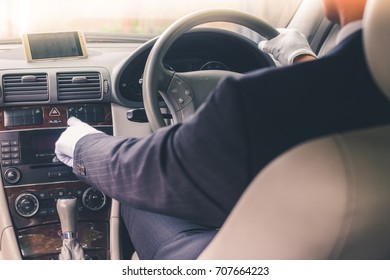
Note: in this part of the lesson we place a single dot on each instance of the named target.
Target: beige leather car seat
(325, 199)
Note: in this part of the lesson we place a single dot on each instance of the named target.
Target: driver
(178, 185)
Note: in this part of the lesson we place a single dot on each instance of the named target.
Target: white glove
(66, 144)
(287, 46)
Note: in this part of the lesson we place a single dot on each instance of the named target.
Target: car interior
(114, 88)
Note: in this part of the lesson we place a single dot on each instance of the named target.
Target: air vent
(79, 85)
(25, 87)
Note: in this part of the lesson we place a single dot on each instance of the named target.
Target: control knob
(94, 199)
(26, 205)
(12, 175)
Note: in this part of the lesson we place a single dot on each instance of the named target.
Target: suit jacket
(197, 170)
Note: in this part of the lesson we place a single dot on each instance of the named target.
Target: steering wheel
(185, 92)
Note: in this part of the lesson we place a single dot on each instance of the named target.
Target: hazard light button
(54, 112)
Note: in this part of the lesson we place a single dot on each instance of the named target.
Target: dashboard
(37, 98)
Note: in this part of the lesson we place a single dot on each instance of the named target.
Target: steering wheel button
(181, 94)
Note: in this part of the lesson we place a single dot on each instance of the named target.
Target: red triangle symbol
(54, 112)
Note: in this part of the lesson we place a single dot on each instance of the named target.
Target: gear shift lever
(67, 211)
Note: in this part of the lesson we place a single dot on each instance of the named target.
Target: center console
(34, 179)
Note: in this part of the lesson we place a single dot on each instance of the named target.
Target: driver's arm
(290, 47)
(196, 170)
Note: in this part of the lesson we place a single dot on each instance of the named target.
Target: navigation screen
(38, 146)
(43, 145)
(57, 45)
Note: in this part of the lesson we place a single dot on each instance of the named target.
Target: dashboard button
(15, 161)
(6, 156)
(43, 195)
(6, 162)
(5, 143)
(51, 194)
(69, 193)
(5, 149)
(14, 149)
(60, 193)
(59, 174)
(78, 192)
(43, 212)
(15, 155)
(37, 112)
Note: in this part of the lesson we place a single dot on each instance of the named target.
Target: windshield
(146, 17)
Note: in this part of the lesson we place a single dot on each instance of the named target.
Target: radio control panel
(28, 157)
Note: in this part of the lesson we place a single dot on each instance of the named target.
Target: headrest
(376, 32)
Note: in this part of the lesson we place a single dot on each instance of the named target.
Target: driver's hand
(66, 144)
(288, 46)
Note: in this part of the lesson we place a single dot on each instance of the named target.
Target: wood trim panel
(37, 242)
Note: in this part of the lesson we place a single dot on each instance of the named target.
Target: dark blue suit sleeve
(196, 170)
